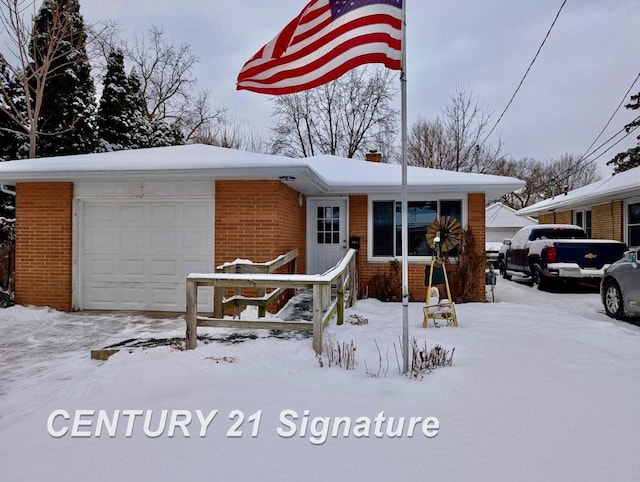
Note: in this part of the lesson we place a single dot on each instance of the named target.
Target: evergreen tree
(69, 105)
(13, 139)
(141, 127)
(631, 158)
(113, 119)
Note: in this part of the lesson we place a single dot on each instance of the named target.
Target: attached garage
(133, 253)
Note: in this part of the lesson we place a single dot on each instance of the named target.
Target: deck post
(192, 315)
(218, 295)
(340, 300)
(317, 317)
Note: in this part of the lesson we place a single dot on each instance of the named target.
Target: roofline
(583, 201)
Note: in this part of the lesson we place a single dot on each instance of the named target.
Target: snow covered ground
(543, 386)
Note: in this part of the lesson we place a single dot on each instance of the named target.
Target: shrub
(387, 286)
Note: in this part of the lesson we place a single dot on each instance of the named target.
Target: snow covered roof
(500, 216)
(311, 176)
(620, 186)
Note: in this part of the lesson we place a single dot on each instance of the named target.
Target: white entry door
(326, 233)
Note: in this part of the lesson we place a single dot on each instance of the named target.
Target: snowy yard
(544, 386)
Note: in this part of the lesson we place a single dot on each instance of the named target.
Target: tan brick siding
(358, 215)
(258, 220)
(545, 218)
(44, 244)
(606, 221)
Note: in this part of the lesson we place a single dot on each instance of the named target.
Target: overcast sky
(585, 68)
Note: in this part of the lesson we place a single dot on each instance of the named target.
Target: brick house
(606, 209)
(121, 230)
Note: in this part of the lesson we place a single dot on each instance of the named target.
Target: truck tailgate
(589, 253)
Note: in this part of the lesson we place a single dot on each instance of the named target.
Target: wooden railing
(342, 276)
(263, 298)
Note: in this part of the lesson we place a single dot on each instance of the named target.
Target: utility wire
(571, 169)
(543, 184)
(526, 73)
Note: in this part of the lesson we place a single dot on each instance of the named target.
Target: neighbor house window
(633, 224)
(387, 224)
(583, 219)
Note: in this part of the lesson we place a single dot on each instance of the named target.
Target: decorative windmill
(443, 235)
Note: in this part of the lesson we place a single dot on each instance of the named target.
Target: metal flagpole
(404, 204)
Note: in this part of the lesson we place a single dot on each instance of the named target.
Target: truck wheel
(538, 278)
(613, 299)
(503, 271)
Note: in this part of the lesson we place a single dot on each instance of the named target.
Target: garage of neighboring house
(136, 242)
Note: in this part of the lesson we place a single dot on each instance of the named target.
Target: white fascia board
(491, 190)
(581, 202)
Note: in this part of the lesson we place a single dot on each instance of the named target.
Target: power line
(526, 73)
(569, 171)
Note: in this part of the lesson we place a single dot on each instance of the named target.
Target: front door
(327, 233)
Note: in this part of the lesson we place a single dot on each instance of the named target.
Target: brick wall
(258, 220)
(561, 217)
(43, 244)
(476, 224)
(606, 221)
(545, 218)
(358, 215)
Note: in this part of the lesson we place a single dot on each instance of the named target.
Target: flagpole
(404, 203)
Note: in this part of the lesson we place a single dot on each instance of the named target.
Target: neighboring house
(607, 209)
(121, 230)
(503, 222)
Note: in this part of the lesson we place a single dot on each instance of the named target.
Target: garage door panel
(164, 211)
(192, 239)
(98, 214)
(132, 215)
(164, 269)
(132, 268)
(132, 241)
(101, 240)
(191, 213)
(101, 267)
(136, 254)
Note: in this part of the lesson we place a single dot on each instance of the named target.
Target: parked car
(492, 250)
(620, 287)
(548, 252)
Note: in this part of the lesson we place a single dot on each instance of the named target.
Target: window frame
(627, 224)
(584, 212)
(414, 197)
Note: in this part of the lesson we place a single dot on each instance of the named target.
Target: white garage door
(135, 255)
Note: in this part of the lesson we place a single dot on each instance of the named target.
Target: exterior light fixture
(287, 179)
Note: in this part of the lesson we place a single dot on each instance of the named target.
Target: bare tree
(231, 134)
(454, 140)
(168, 82)
(345, 117)
(544, 179)
(28, 66)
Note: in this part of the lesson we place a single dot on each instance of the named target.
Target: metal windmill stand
(441, 310)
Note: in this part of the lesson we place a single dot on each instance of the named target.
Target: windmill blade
(448, 230)
(453, 233)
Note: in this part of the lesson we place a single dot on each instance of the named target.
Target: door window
(328, 224)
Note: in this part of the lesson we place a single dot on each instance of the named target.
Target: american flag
(327, 39)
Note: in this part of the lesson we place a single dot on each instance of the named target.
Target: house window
(387, 224)
(633, 224)
(583, 219)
